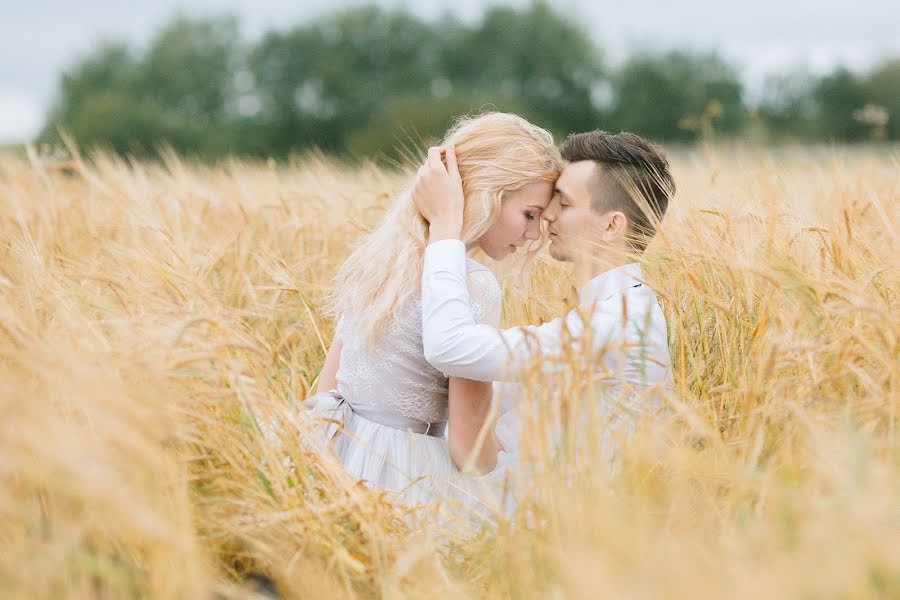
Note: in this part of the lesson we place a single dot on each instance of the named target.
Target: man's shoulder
(630, 303)
(639, 291)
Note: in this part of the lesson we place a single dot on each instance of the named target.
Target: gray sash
(337, 410)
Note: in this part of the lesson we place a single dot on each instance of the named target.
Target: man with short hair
(607, 205)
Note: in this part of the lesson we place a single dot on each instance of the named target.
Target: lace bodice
(394, 376)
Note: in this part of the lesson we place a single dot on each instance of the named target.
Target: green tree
(676, 96)
(189, 68)
(179, 93)
(839, 97)
(320, 82)
(372, 82)
(788, 106)
(337, 82)
(403, 126)
(882, 87)
(112, 68)
(535, 58)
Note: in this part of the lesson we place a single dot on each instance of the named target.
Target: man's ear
(616, 226)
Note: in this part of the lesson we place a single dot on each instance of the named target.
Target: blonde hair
(496, 153)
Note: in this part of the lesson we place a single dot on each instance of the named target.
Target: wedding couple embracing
(406, 392)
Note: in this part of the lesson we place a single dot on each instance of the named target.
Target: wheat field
(153, 315)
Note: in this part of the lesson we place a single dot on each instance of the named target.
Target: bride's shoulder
(479, 276)
(473, 266)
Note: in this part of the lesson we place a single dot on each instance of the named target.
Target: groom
(607, 205)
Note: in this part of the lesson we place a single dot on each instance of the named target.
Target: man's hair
(632, 176)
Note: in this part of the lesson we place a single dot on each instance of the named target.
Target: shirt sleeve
(458, 346)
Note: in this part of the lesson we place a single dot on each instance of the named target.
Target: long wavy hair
(496, 153)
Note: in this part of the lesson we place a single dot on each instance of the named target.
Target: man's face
(575, 229)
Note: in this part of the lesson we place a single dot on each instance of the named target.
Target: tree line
(374, 82)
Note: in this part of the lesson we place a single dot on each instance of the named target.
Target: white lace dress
(393, 404)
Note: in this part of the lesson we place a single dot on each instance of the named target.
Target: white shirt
(622, 312)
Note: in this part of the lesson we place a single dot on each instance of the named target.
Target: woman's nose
(533, 231)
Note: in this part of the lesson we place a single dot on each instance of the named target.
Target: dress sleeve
(484, 295)
(339, 329)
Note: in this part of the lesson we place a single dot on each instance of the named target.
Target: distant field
(151, 315)
(11, 150)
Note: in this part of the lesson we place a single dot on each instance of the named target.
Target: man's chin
(556, 253)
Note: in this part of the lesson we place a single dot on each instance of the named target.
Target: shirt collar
(605, 285)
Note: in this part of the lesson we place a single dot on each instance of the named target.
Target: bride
(384, 408)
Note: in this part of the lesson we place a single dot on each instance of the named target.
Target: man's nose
(549, 213)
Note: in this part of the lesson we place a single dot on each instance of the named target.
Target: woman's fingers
(451, 160)
(434, 157)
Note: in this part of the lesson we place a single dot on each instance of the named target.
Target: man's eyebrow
(562, 193)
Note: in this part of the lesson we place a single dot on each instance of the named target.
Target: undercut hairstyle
(632, 176)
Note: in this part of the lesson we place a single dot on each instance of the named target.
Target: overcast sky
(40, 38)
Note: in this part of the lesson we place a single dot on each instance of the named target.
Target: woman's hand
(438, 194)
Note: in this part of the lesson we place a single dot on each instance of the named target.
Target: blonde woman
(393, 404)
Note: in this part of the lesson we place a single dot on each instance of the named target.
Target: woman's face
(519, 220)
